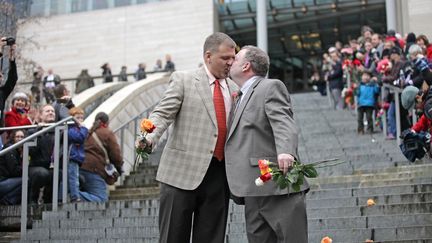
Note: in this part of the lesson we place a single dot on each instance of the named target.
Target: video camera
(415, 145)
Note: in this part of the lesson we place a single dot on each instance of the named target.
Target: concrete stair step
(369, 191)
(377, 234)
(100, 214)
(389, 209)
(408, 171)
(373, 183)
(362, 201)
(383, 221)
(110, 222)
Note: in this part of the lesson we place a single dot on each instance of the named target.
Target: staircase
(337, 203)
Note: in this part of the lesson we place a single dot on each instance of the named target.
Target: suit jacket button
(215, 135)
(211, 151)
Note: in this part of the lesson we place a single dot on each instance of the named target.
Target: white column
(391, 14)
(261, 24)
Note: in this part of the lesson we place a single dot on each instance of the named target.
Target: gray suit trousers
(280, 219)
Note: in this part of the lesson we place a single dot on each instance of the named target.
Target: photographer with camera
(12, 76)
(420, 63)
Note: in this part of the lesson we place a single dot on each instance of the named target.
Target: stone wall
(414, 16)
(122, 36)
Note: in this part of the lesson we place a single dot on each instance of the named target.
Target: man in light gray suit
(192, 167)
(263, 127)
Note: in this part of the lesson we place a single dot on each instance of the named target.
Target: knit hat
(19, 95)
(409, 97)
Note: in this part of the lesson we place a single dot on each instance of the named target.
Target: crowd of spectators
(24, 119)
(353, 74)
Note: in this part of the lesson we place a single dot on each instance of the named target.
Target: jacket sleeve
(114, 153)
(77, 134)
(279, 112)
(165, 112)
(11, 80)
(337, 72)
(10, 121)
(421, 125)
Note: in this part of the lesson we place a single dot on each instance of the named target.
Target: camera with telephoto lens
(10, 41)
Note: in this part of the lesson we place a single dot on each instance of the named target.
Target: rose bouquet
(141, 147)
(294, 177)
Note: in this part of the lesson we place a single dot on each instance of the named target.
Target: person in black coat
(12, 77)
(11, 172)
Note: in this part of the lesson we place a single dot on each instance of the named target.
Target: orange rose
(326, 240)
(370, 202)
(147, 126)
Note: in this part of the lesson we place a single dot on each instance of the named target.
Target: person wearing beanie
(17, 116)
(408, 97)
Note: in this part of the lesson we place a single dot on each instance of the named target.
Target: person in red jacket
(17, 116)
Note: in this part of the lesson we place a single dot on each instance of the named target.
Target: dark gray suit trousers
(276, 219)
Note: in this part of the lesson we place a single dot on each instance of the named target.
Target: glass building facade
(55, 7)
(300, 31)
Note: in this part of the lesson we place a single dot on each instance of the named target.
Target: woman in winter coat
(17, 116)
(94, 169)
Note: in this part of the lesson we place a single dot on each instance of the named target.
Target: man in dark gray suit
(263, 127)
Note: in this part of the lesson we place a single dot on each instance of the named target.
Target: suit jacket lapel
(204, 91)
(242, 106)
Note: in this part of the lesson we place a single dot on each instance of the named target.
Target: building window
(119, 3)
(38, 8)
(100, 4)
(78, 5)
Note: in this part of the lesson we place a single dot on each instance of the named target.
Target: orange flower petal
(326, 240)
(147, 126)
(370, 202)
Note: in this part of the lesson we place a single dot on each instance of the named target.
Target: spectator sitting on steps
(40, 170)
(93, 168)
(11, 172)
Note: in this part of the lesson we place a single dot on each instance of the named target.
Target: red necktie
(219, 105)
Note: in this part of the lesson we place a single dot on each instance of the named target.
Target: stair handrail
(135, 121)
(396, 90)
(32, 141)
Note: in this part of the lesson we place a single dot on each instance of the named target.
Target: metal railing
(31, 141)
(120, 132)
(397, 92)
(71, 82)
(385, 88)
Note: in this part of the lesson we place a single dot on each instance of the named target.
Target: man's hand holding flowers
(285, 162)
(289, 172)
(143, 146)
